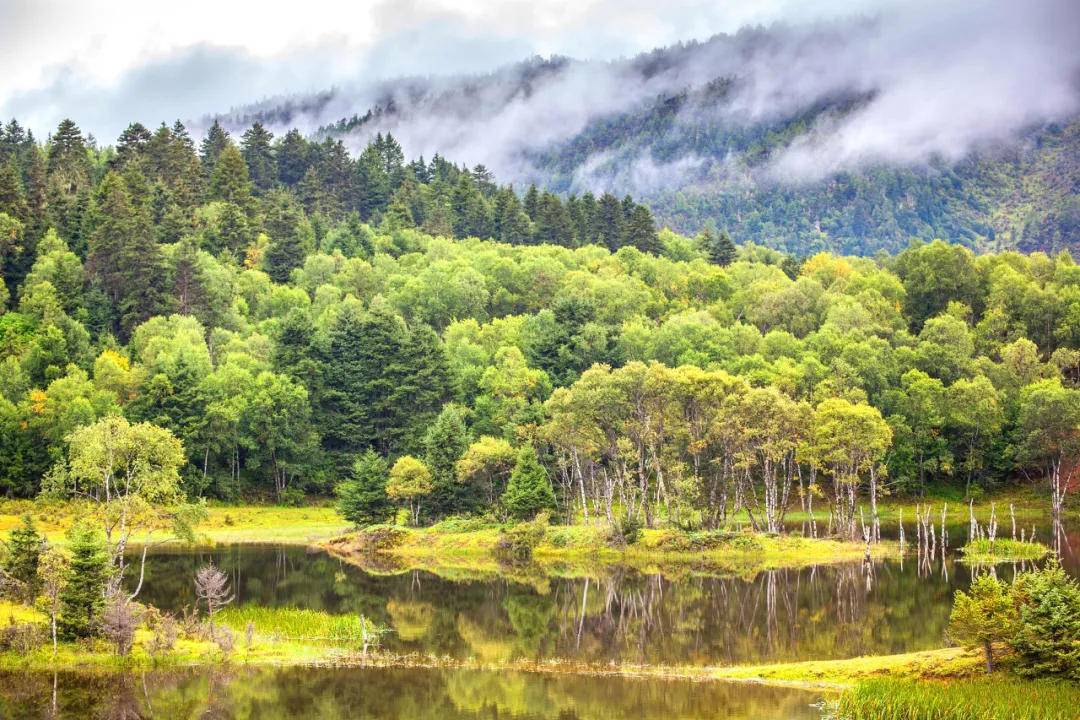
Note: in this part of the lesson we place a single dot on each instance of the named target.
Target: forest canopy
(300, 319)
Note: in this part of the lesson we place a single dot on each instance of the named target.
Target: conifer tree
(24, 546)
(445, 443)
(720, 247)
(215, 142)
(84, 596)
(131, 146)
(255, 145)
(610, 224)
(291, 157)
(531, 204)
(229, 180)
(529, 490)
(641, 231)
(291, 237)
(362, 498)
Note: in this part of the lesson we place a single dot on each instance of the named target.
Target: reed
(1005, 550)
(298, 624)
(990, 698)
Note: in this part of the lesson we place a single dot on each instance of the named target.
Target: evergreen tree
(641, 231)
(229, 180)
(362, 498)
(132, 146)
(291, 157)
(720, 247)
(1047, 636)
(553, 223)
(531, 204)
(610, 224)
(12, 201)
(255, 145)
(24, 546)
(529, 490)
(84, 596)
(291, 237)
(445, 444)
(215, 142)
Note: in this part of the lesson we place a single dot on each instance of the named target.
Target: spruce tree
(610, 223)
(84, 596)
(131, 146)
(641, 231)
(362, 498)
(213, 144)
(255, 146)
(528, 491)
(445, 444)
(291, 157)
(721, 247)
(229, 180)
(531, 204)
(25, 544)
(291, 237)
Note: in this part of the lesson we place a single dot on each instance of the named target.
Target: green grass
(993, 698)
(1005, 550)
(306, 625)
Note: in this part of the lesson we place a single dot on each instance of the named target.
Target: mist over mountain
(924, 120)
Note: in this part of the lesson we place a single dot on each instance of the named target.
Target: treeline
(292, 341)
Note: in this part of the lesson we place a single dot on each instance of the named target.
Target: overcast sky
(107, 63)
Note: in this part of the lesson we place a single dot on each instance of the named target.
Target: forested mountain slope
(787, 136)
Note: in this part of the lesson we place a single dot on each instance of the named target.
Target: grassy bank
(968, 699)
(225, 524)
(465, 547)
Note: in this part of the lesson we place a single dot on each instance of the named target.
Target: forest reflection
(620, 615)
(385, 694)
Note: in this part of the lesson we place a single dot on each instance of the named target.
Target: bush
(630, 528)
(165, 635)
(225, 639)
(380, 538)
(118, 622)
(22, 638)
(518, 542)
(1047, 637)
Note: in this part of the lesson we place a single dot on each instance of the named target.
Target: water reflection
(379, 694)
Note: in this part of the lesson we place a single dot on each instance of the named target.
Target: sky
(107, 63)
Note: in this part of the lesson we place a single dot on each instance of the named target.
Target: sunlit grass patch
(302, 624)
(1005, 550)
(968, 699)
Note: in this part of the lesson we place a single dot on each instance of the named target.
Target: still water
(378, 694)
(694, 617)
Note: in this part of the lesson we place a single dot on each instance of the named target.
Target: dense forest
(304, 320)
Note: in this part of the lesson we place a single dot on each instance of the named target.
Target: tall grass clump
(305, 625)
(978, 551)
(997, 698)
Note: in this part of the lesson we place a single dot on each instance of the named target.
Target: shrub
(225, 639)
(1047, 637)
(362, 498)
(517, 543)
(118, 622)
(984, 616)
(22, 638)
(630, 529)
(165, 635)
(380, 538)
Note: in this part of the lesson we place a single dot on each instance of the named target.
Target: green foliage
(83, 598)
(24, 547)
(518, 542)
(529, 490)
(983, 616)
(362, 498)
(1047, 637)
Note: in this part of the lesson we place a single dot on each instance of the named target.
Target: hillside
(734, 131)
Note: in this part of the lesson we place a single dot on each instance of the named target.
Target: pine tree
(132, 146)
(84, 596)
(229, 180)
(529, 490)
(721, 247)
(291, 237)
(553, 223)
(641, 231)
(255, 145)
(362, 498)
(610, 224)
(12, 201)
(445, 444)
(25, 545)
(213, 144)
(531, 203)
(291, 156)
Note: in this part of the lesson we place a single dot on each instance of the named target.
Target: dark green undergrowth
(992, 698)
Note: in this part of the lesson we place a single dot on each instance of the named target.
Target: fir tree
(291, 237)
(531, 204)
(529, 490)
(84, 596)
(24, 546)
(291, 157)
(255, 145)
(445, 443)
(213, 144)
(721, 247)
(610, 224)
(641, 231)
(229, 180)
(362, 498)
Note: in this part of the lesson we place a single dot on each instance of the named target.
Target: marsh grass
(306, 625)
(990, 698)
(1005, 550)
